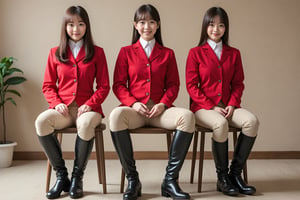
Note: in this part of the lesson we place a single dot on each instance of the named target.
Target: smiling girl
(70, 73)
(214, 80)
(146, 82)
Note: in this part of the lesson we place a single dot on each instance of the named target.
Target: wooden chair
(99, 153)
(203, 131)
(148, 130)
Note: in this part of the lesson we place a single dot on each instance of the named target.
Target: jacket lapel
(139, 51)
(81, 54)
(155, 52)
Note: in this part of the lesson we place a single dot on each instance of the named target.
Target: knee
(41, 122)
(251, 125)
(221, 124)
(187, 121)
(115, 115)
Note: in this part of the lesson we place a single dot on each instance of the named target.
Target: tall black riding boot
(83, 150)
(240, 156)
(53, 151)
(123, 145)
(220, 153)
(179, 147)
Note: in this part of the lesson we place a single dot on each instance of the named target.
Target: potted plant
(7, 79)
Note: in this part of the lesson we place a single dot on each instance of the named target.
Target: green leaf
(14, 80)
(11, 100)
(14, 92)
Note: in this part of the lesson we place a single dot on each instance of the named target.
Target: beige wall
(265, 31)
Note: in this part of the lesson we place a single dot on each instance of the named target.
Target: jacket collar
(80, 56)
(139, 51)
(210, 52)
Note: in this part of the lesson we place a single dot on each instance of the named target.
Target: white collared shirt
(75, 47)
(147, 46)
(217, 47)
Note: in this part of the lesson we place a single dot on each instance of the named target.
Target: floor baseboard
(161, 155)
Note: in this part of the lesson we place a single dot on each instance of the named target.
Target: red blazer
(137, 78)
(209, 80)
(74, 80)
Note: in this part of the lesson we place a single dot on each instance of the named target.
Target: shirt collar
(214, 45)
(74, 45)
(150, 43)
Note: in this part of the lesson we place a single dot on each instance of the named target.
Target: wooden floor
(274, 180)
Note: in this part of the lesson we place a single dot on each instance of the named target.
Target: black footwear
(240, 156)
(123, 146)
(53, 152)
(220, 153)
(179, 147)
(83, 150)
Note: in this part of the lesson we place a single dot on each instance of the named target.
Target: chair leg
(101, 159)
(122, 181)
(194, 154)
(201, 159)
(169, 140)
(49, 170)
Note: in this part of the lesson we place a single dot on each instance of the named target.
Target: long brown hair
(61, 52)
(143, 12)
(208, 18)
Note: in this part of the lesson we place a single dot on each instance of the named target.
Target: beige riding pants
(241, 118)
(124, 117)
(51, 119)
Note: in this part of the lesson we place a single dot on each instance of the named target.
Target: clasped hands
(142, 109)
(225, 112)
(64, 110)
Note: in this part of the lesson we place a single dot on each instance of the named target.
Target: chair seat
(99, 153)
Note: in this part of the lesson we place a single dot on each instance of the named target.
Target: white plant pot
(6, 154)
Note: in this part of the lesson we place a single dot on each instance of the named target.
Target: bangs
(69, 18)
(143, 16)
(146, 12)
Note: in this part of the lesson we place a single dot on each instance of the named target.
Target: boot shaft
(241, 153)
(123, 146)
(178, 150)
(53, 152)
(83, 151)
(220, 154)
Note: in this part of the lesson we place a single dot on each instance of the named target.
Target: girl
(146, 82)
(71, 70)
(214, 80)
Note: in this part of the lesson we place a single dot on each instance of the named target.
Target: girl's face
(216, 29)
(146, 28)
(76, 28)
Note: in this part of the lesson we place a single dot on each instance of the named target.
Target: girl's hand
(229, 110)
(62, 109)
(220, 110)
(141, 108)
(156, 110)
(82, 109)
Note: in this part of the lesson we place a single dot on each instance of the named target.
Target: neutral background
(265, 31)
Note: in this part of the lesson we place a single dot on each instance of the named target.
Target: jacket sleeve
(237, 83)
(102, 81)
(172, 82)
(193, 80)
(49, 87)
(121, 76)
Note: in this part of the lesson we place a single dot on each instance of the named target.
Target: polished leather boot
(220, 153)
(83, 150)
(178, 150)
(123, 146)
(53, 152)
(240, 156)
